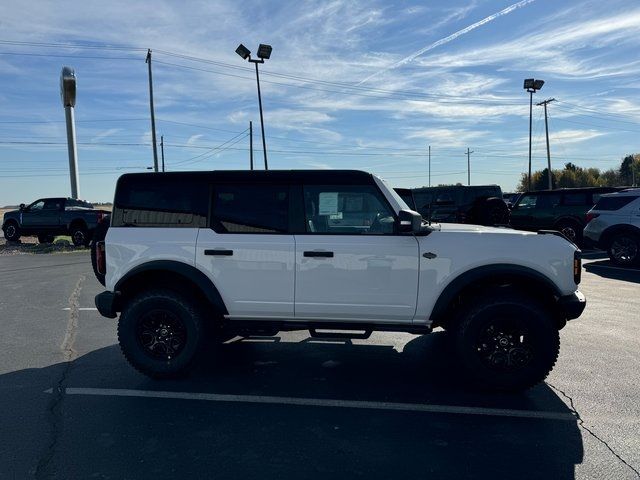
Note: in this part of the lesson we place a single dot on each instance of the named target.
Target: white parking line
(321, 402)
(83, 309)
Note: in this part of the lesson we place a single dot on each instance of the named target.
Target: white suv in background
(614, 225)
(270, 251)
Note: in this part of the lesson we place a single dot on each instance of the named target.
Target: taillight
(101, 258)
(577, 266)
(100, 216)
(590, 216)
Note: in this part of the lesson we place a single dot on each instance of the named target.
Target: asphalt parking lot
(391, 406)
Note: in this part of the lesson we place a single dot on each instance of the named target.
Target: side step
(342, 334)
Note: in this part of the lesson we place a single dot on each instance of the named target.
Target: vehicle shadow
(604, 268)
(132, 437)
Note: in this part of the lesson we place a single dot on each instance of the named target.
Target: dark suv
(563, 210)
(477, 204)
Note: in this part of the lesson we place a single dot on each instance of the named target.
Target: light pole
(264, 53)
(531, 85)
(68, 95)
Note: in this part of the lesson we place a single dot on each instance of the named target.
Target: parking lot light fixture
(264, 53)
(531, 85)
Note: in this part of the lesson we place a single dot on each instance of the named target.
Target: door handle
(315, 254)
(219, 252)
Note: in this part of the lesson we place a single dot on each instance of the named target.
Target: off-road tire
(629, 240)
(11, 231)
(99, 234)
(153, 302)
(79, 235)
(572, 229)
(472, 324)
(45, 238)
(493, 211)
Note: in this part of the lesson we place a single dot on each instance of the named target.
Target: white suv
(614, 225)
(269, 251)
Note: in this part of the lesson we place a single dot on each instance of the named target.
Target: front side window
(36, 206)
(347, 210)
(528, 202)
(250, 208)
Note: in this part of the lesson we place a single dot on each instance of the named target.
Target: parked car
(613, 224)
(563, 210)
(269, 251)
(510, 198)
(477, 204)
(48, 217)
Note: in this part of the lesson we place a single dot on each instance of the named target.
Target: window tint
(158, 202)
(52, 204)
(36, 206)
(548, 201)
(346, 209)
(528, 201)
(251, 209)
(614, 203)
(575, 199)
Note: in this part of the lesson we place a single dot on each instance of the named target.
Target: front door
(247, 251)
(350, 263)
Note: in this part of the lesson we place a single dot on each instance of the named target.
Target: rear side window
(614, 203)
(548, 201)
(575, 199)
(250, 208)
(160, 202)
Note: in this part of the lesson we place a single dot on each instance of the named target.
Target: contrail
(451, 37)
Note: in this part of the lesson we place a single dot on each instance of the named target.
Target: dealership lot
(270, 407)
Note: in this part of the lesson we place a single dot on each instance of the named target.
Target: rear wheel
(79, 235)
(493, 211)
(570, 229)
(506, 341)
(11, 232)
(624, 249)
(160, 333)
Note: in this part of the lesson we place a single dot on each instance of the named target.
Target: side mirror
(22, 206)
(408, 221)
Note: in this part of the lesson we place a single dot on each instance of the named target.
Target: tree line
(628, 174)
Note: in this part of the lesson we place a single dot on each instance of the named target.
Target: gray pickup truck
(48, 217)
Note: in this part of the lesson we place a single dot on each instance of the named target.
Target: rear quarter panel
(129, 247)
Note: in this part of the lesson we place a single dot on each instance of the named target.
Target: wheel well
(540, 290)
(10, 221)
(78, 222)
(608, 234)
(182, 279)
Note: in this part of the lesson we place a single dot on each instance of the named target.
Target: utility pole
(251, 144)
(68, 95)
(153, 115)
(546, 127)
(162, 150)
(429, 165)
(469, 152)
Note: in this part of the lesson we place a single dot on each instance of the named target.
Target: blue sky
(350, 84)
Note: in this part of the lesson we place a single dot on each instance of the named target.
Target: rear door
(247, 250)
(350, 263)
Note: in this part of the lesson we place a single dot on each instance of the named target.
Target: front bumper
(572, 305)
(106, 304)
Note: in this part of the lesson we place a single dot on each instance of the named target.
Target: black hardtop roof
(465, 187)
(325, 176)
(574, 190)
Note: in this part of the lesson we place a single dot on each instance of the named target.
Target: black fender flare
(191, 273)
(483, 273)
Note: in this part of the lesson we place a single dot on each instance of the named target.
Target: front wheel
(160, 333)
(506, 341)
(11, 232)
(624, 249)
